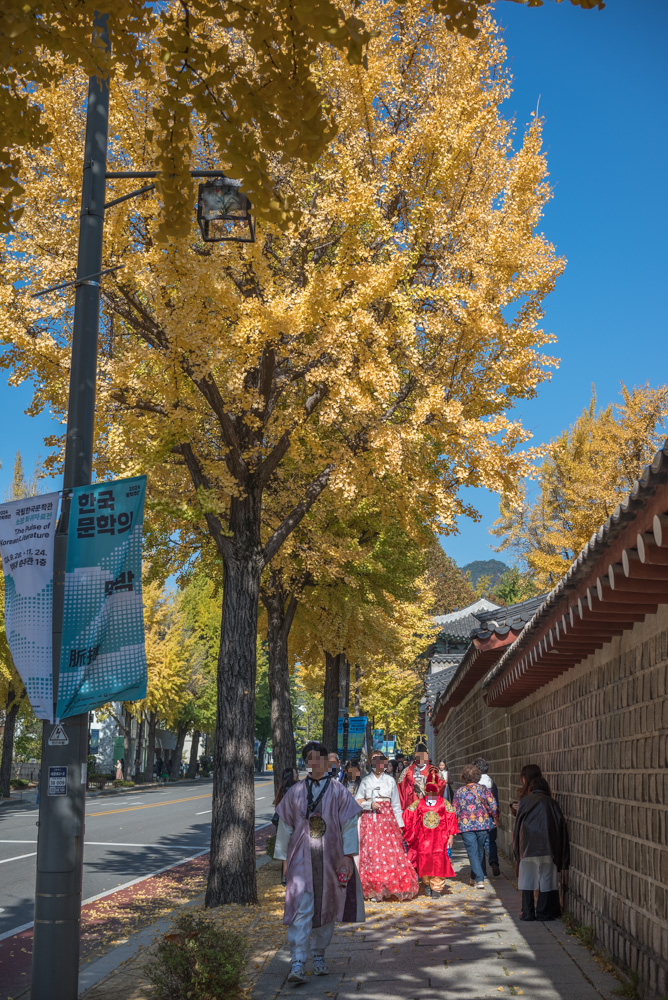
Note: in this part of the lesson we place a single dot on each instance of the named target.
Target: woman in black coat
(540, 844)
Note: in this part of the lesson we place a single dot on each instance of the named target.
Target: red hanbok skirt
(384, 868)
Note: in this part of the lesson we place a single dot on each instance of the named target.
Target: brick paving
(469, 945)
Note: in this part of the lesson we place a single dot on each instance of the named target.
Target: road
(128, 836)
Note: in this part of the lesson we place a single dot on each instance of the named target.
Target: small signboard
(58, 737)
(57, 781)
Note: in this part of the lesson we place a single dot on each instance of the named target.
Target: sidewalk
(469, 945)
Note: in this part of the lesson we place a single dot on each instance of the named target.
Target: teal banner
(102, 655)
(356, 734)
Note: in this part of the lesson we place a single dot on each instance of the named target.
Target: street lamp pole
(55, 968)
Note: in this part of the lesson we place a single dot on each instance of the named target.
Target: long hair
(353, 785)
(287, 781)
(540, 785)
(528, 774)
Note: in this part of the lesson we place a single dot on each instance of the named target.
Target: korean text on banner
(27, 529)
(102, 655)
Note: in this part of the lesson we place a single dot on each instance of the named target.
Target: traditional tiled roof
(620, 576)
(495, 629)
(513, 617)
(460, 624)
(443, 667)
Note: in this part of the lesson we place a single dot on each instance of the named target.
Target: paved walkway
(470, 945)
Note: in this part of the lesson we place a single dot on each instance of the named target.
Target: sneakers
(480, 885)
(495, 869)
(319, 966)
(427, 890)
(297, 973)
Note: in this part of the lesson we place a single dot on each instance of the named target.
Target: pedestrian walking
(490, 843)
(448, 791)
(412, 780)
(352, 777)
(430, 832)
(317, 836)
(385, 870)
(335, 766)
(158, 768)
(477, 812)
(288, 779)
(541, 847)
(119, 770)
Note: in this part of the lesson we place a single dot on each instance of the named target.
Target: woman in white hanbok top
(385, 871)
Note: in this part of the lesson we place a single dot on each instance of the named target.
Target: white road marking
(203, 813)
(155, 847)
(260, 798)
(17, 858)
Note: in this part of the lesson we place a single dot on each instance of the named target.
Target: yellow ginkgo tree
(374, 345)
(243, 68)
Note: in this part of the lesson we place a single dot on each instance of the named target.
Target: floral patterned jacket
(476, 808)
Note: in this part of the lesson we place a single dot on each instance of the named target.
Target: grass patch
(629, 987)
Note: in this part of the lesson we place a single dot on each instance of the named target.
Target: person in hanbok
(385, 871)
(430, 832)
(317, 836)
(411, 781)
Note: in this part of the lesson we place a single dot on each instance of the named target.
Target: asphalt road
(128, 836)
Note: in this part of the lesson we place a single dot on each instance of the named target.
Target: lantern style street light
(224, 212)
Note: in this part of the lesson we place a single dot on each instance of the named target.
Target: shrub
(120, 783)
(198, 961)
(18, 782)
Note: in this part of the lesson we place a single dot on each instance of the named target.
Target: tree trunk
(127, 737)
(280, 616)
(150, 746)
(11, 713)
(232, 859)
(194, 749)
(177, 756)
(138, 749)
(330, 717)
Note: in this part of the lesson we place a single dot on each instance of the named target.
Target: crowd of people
(383, 830)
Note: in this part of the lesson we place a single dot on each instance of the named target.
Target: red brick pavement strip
(116, 915)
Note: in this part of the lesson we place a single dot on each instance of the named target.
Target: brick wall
(600, 734)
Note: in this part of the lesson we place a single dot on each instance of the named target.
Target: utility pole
(55, 969)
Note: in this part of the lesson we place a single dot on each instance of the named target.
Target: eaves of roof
(479, 657)
(620, 576)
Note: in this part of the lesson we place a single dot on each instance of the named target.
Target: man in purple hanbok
(317, 835)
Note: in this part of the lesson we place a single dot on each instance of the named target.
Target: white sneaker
(480, 885)
(319, 966)
(297, 973)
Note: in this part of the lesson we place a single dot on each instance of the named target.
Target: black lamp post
(223, 210)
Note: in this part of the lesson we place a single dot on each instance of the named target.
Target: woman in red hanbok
(385, 871)
(430, 830)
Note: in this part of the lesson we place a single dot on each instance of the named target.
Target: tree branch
(297, 513)
(223, 543)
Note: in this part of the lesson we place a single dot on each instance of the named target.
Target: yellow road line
(154, 805)
(149, 805)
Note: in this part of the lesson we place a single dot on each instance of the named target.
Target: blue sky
(601, 80)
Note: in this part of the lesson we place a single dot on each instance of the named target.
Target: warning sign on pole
(58, 737)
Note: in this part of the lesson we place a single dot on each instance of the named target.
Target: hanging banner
(356, 734)
(378, 736)
(27, 529)
(102, 655)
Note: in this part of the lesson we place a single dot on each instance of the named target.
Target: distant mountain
(493, 568)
